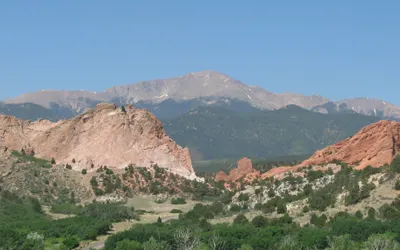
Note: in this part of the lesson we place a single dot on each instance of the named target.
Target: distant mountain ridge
(186, 90)
(31, 111)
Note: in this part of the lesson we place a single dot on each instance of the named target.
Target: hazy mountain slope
(213, 132)
(164, 110)
(169, 109)
(333, 108)
(373, 107)
(208, 84)
(30, 111)
(190, 86)
(77, 101)
(198, 85)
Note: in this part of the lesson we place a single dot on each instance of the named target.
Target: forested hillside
(216, 133)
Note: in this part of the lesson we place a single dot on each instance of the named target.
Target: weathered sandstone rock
(245, 168)
(103, 136)
(375, 145)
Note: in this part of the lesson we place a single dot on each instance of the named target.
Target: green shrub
(153, 244)
(70, 243)
(65, 208)
(358, 214)
(258, 191)
(314, 175)
(281, 208)
(245, 247)
(318, 221)
(323, 198)
(129, 245)
(371, 213)
(235, 208)
(176, 211)
(178, 200)
(226, 198)
(84, 171)
(217, 207)
(240, 219)
(98, 191)
(93, 181)
(356, 194)
(108, 212)
(397, 185)
(307, 190)
(259, 221)
(368, 171)
(243, 197)
(395, 165)
(271, 193)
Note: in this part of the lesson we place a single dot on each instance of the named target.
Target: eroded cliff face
(374, 145)
(244, 170)
(103, 136)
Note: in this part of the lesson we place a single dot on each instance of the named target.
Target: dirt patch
(146, 202)
(55, 216)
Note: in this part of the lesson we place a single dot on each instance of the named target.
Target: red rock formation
(105, 135)
(376, 144)
(222, 176)
(245, 168)
(277, 171)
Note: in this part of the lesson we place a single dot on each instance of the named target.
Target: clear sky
(338, 49)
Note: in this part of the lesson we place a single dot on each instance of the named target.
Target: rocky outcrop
(374, 145)
(222, 176)
(103, 136)
(244, 169)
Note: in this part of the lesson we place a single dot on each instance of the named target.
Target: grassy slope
(34, 177)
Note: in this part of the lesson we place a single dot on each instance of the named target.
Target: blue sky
(338, 49)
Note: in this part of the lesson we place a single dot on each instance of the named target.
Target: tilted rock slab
(103, 136)
(374, 145)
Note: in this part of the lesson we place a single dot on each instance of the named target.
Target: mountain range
(193, 90)
(217, 117)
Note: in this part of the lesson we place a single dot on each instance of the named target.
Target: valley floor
(143, 202)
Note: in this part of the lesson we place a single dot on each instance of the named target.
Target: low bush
(177, 201)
